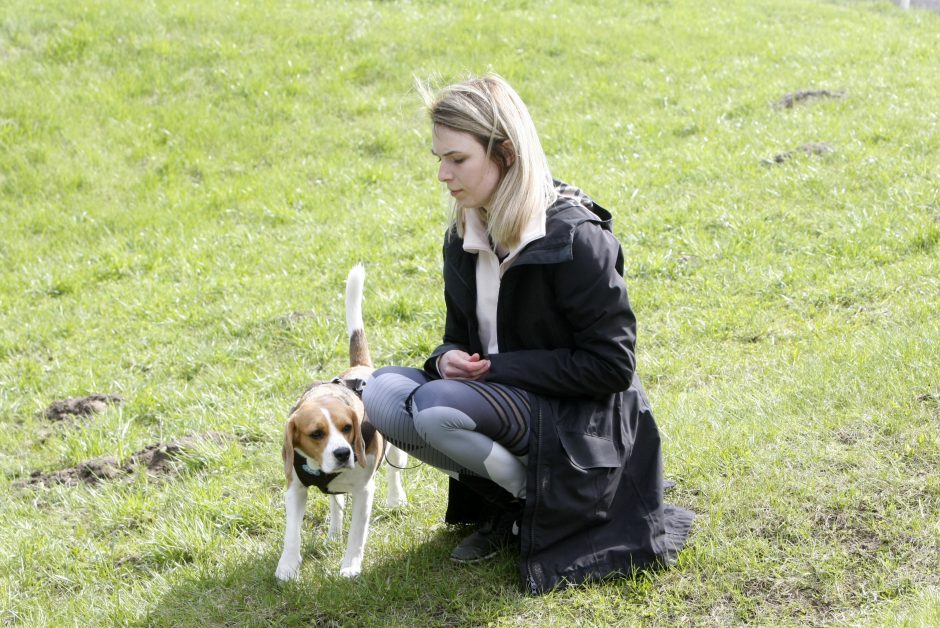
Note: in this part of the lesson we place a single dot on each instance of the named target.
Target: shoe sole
(470, 561)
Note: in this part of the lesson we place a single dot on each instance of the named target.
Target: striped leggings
(461, 427)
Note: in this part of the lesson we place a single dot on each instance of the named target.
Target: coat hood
(572, 208)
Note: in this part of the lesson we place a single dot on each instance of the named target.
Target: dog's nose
(342, 454)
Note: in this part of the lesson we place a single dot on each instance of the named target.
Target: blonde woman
(531, 404)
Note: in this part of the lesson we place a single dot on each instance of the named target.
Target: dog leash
(389, 463)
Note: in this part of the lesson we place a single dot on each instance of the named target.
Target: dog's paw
(351, 566)
(352, 571)
(288, 569)
(334, 533)
(396, 501)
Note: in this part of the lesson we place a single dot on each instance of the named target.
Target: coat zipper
(533, 586)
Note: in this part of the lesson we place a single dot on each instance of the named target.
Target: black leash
(389, 463)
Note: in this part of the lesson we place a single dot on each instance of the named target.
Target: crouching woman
(532, 404)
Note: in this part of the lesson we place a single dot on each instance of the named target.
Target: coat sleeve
(592, 297)
(456, 329)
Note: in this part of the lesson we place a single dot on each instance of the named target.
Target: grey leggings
(461, 427)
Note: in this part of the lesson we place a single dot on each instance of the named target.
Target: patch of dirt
(157, 460)
(850, 528)
(812, 148)
(803, 95)
(80, 406)
(849, 435)
(932, 402)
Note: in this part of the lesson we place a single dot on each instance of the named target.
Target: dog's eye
(347, 429)
(316, 434)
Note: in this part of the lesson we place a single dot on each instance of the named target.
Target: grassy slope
(174, 180)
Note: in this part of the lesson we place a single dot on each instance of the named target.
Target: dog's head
(327, 431)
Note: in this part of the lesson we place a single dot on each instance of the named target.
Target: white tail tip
(354, 286)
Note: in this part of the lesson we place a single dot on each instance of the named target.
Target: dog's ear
(287, 451)
(358, 443)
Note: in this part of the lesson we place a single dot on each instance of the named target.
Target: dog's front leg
(337, 507)
(358, 531)
(295, 501)
(397, 459)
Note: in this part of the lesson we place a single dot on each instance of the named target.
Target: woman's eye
(459, 161)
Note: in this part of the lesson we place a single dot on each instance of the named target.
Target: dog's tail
(358, 347)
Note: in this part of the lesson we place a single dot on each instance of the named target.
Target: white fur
(397, 459)
(360, 484)
(356, 480)
(354, 285)
(335, 442)
(295, 501)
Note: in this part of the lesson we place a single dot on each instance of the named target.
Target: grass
(177, 180)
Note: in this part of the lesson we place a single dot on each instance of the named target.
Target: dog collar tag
(310, 470)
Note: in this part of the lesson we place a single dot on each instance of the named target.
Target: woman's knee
(438, 392)
(438, 425)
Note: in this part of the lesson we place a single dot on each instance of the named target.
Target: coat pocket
(589, 452)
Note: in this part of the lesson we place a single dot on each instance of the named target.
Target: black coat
(566, 334)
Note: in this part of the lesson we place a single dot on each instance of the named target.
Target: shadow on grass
(417, 586)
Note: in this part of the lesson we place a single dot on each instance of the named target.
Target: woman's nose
(443, 174)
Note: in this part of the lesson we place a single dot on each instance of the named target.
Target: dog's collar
(350, 392)
(354, 384)
(310, 476)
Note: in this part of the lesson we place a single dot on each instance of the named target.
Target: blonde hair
(490, 110)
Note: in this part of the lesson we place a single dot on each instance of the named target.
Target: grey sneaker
(496, 533)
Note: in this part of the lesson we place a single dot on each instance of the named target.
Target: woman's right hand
(457, 364)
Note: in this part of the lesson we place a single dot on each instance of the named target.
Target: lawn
(184, 186)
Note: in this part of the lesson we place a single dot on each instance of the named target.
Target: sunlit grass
(183, 188)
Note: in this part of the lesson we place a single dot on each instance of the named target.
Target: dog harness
(314, 477)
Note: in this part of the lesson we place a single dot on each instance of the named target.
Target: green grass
(177, 179)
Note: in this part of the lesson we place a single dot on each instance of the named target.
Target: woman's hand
(457, 364)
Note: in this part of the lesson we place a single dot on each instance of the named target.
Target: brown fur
(326, 421)
(359, 349)
(344, 407)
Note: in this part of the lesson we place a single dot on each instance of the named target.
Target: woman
(531, 404)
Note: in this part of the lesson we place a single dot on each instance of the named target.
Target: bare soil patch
(812, 148)
(158, 460)
(80, 406)
(930, 398)
(804, 95)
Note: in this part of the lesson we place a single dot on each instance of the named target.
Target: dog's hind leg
(337, 508)
(295, 501)
(358, 531)
(397, 459)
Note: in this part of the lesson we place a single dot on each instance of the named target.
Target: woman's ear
(507, 152)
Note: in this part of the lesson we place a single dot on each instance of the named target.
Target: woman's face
(471, 178)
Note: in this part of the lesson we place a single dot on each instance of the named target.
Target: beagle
(329, 443)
